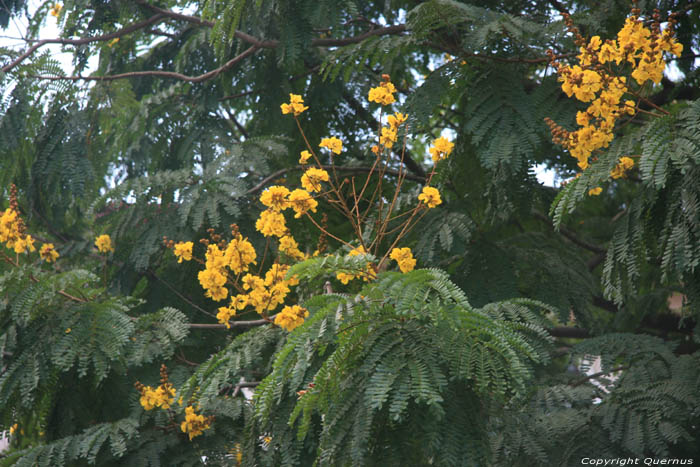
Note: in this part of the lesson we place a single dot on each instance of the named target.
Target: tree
(406, 291)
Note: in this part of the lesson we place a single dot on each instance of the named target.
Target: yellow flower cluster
(384, 93)
(183, 251)
(404, 257)
(441, 149)
(12, 232)
(595, 191)
(237, 256)
(625, 164)
(291, 317)
(163, 396)
(312, 178)
(594, 80)
(262, 294)
(55, 10)
(302, 202)
(290, 247)
(366, 274)
(195, 424)
(104, 243)
(271, 223)
(332, 143)
(275, 198)
(295, 106)
(430, 196)
(389, 134)
(305, 156)
(48, 253)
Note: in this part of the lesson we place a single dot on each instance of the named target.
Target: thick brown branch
(571, 235)
(271, 44)
(84, 40)
(563, 331)
(596, 375)
(165, 74)
(233, 324)
(244, 384)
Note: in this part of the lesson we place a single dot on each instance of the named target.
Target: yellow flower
(48, 253)
(291, 317)
(13, 428)
(430, 196)
(332, 143)
(213, 280)
(312, 178)
(275, 198)
(396, 120)
(104, 243)
(210, 278)
(388, 137)
(163, 396)
(383, 94)
(296, 105)
(305, 156)
(24, 244)
(195, 424)
(225, 314)
(68, 330)
(625, 164)
(111, 43)
(239, 302)
(441, 148)
(271, 223)
(290, 247)
(404, 257)
(595, 191)
(55, 10)
(239, 254)
(344, 277)
(251, 282)
(183, 251)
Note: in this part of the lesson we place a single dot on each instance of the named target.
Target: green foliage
(85, 448)
(397, 357)
(460, 362)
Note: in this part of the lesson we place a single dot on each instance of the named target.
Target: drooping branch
(85, 40)
(165, 74)
(571, 235)
(271, 43)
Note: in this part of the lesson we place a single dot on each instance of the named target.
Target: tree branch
(244, 384)
(271, 43)
(341, 168)
(600, 373)
(164, 74)
(363, 113)
(233, 324)
(564, 331)
(571, 235)
(182, 297)
(85, 40)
